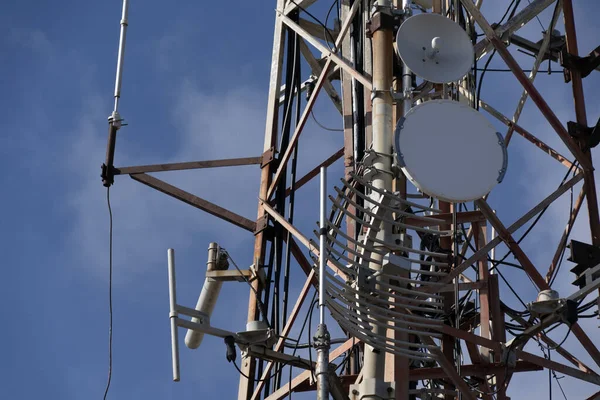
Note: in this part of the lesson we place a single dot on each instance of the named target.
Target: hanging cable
(110, 308)
(487, 63)
(260, 304)
(324, 127)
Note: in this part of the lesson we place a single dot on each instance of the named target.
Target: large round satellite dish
(450, 151)
(435, 48)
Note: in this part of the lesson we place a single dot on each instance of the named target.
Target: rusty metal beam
(305, 375)
(311, 101)
(581, 116)
(513, 228)
(331, 55)
(527, 85)
(248, 365)
(511, 243)
(315, 171)
(523, 355)
(230, 162)
(446, 218)
(563, 240)
(285, 332)
(195, 201)
(534, 274)
(560, 350)
(472, 370)
(512, 25)
(316, 68)
(298, 235)
(525, 134)
(449, 368)
(534, 70)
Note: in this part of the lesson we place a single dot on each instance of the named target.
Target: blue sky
(195, 82)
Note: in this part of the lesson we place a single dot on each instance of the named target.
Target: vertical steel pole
(322, 340)
(173, 314)
(382, 112)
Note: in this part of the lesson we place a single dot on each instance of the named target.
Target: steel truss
(341, 53)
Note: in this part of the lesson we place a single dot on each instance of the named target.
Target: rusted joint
(584, 65)
(589, 136)
(261, 224)
(382, 20)
(267, 157)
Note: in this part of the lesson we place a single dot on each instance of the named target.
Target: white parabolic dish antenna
(435, 48)
(450, 151)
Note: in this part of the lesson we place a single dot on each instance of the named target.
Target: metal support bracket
(584, 65)
(267, 157)
(261, 224)
(589, 135)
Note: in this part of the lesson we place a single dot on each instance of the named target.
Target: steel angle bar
(511, 243)
(318, 31)
(195, 201)
(560, 350)
(555, 366)
(512, 25)
(315, 171)
(331, 55)
(231, 162)
(311, 101)
(581, 117)
(526, 135)
(449, 369)
(527, 85)
(285, 332)
(563, 240)
(292, 5)
(534, 70)
(523, 355)
(482, 253)
(306, 375)
(595, 396)
(316, 70)
(298, 235)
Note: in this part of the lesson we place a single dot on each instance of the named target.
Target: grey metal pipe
(322, 340)
(122, 38)
(209, 294)
(322, 250)
(173, 314)
(383, 128)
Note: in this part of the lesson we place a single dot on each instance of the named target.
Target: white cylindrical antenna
(321, 340)
(322, 238)
(173, 314)
(122, 38)
(217, 261)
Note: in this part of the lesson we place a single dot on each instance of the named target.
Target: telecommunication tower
(403, 262)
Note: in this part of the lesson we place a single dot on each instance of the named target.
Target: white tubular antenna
(173, 315)
(209, 294)
(122, 38)
(322, 239)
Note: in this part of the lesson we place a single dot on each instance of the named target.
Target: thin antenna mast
(114, 119)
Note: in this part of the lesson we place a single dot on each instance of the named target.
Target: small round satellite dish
(450, 151)
(435, 48)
